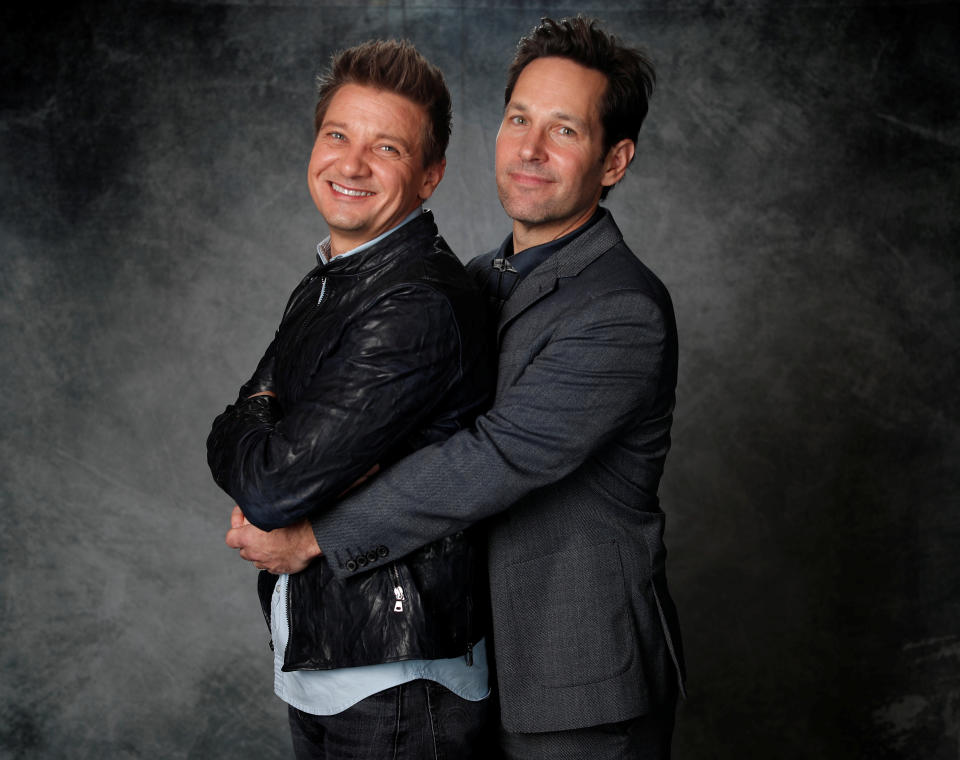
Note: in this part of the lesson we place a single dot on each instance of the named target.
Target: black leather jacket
(377, 354)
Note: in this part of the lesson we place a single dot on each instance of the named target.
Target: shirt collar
(509, 268)
(530, 258)
(323, 247)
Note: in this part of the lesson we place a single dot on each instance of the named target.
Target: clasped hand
(284, 550)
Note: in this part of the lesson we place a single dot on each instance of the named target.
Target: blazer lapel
(569, 261)
(540, 283)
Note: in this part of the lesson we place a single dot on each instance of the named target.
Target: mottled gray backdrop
(796, 187)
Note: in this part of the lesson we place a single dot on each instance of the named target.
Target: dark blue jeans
(419, 720)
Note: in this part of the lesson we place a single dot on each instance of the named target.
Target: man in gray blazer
(565, 466)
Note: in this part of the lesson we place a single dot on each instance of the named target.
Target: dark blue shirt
(507, 268)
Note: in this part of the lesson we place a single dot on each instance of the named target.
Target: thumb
(234, 538)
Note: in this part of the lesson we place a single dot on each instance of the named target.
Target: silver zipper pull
(398, 604)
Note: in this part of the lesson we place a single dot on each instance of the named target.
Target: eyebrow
(561, 115)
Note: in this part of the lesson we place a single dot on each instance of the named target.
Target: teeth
(348, 191)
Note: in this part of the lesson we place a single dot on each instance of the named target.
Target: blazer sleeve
(282, 461)
(601, 369)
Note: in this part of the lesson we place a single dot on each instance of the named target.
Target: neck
(530, 235)
(340, 245)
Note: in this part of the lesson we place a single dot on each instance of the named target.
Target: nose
(532, 145)
(353, 161)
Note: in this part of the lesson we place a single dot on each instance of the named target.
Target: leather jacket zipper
(399, 596)
(289, 606)
(312, 313)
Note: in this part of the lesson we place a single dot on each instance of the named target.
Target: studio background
(796, 187)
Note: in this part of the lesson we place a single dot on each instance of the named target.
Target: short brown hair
(395, 66)
(629, 72)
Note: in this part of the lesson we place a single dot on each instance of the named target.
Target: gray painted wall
(797, 189)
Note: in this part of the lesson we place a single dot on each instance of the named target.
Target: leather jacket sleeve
(282, 461)
(262, 378)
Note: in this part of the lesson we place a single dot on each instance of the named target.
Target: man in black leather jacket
(381, 350)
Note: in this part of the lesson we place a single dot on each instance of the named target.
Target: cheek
(504, 147)
(316, 162)
(397, 181)
(577, 167)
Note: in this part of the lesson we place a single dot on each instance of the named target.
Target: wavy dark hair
(394, 66)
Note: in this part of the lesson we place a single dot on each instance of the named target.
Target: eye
(334, 135)
(567, 132)
(388, 149)
(518, 120)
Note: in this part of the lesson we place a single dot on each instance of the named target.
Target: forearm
(275, 479)
(235, 448)
(429, 494)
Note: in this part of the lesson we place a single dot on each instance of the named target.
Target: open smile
(350, 191)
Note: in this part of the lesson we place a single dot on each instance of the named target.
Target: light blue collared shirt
(327, 692)
(323, 247)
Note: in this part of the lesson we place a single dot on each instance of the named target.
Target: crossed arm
(603, 367)
(281, 461)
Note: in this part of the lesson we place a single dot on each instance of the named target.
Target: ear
(616, 162)
(431, 178)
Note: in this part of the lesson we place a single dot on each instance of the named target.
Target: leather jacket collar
(395, 244)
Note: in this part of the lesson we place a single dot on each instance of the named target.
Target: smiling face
(366, 171)
(551, 166)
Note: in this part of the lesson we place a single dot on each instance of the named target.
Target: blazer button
(361, 560)
(382, 551)
(372, 555)
(351, 565)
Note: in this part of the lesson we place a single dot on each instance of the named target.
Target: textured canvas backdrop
(796, 187)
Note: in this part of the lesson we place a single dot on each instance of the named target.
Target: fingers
(239, 538)
(236, 538)
(285, 550)
(237, 517)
